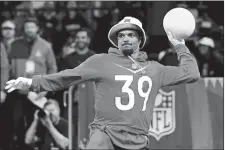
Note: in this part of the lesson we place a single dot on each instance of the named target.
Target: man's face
(203, 49)
(128, 41)
(30, 29)
(8, 33)
(54, 112)
(82, 40)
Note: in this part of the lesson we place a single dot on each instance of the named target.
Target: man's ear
(38, 29)
(89, 40)
(140, 40)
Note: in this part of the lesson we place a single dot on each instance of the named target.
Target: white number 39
(128, 80)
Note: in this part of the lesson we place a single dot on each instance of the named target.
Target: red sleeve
(51, 61)
(88, 70)
(186, 72)
(4, 67)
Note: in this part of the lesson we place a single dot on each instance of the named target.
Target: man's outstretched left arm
(57, 81)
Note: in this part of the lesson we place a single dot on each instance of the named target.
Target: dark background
(150, 13)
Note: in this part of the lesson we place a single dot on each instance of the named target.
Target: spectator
(6, 10)
(103, 20)
(81, 50)
(209, 65)
(78, 54)
(30, 55)
(48, 129)
(168, 57)
(23, 10)
(135, 9)
(48, 21)
(8, 33)
(4, 72)
(73, 20)
(35, 49)
(5, 15)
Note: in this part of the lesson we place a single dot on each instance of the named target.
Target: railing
(68, 102)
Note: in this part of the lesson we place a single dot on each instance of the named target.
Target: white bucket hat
(207, 41)
(126, 23)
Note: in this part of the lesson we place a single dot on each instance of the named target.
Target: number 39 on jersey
(128, 79)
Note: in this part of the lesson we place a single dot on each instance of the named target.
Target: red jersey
(125, 94)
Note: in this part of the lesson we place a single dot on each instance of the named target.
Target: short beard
(81, 48)
(31, 37)
(127, 52)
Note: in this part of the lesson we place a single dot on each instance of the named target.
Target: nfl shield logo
(163, 117)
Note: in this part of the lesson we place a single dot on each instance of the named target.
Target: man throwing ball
(126, 85)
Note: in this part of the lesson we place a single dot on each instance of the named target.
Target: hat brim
(7, 27)
(119, 27)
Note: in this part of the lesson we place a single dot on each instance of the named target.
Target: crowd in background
(60, 20)
(70, 32)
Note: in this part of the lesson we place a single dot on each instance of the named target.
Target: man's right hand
(173, 40)
(18, 84)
